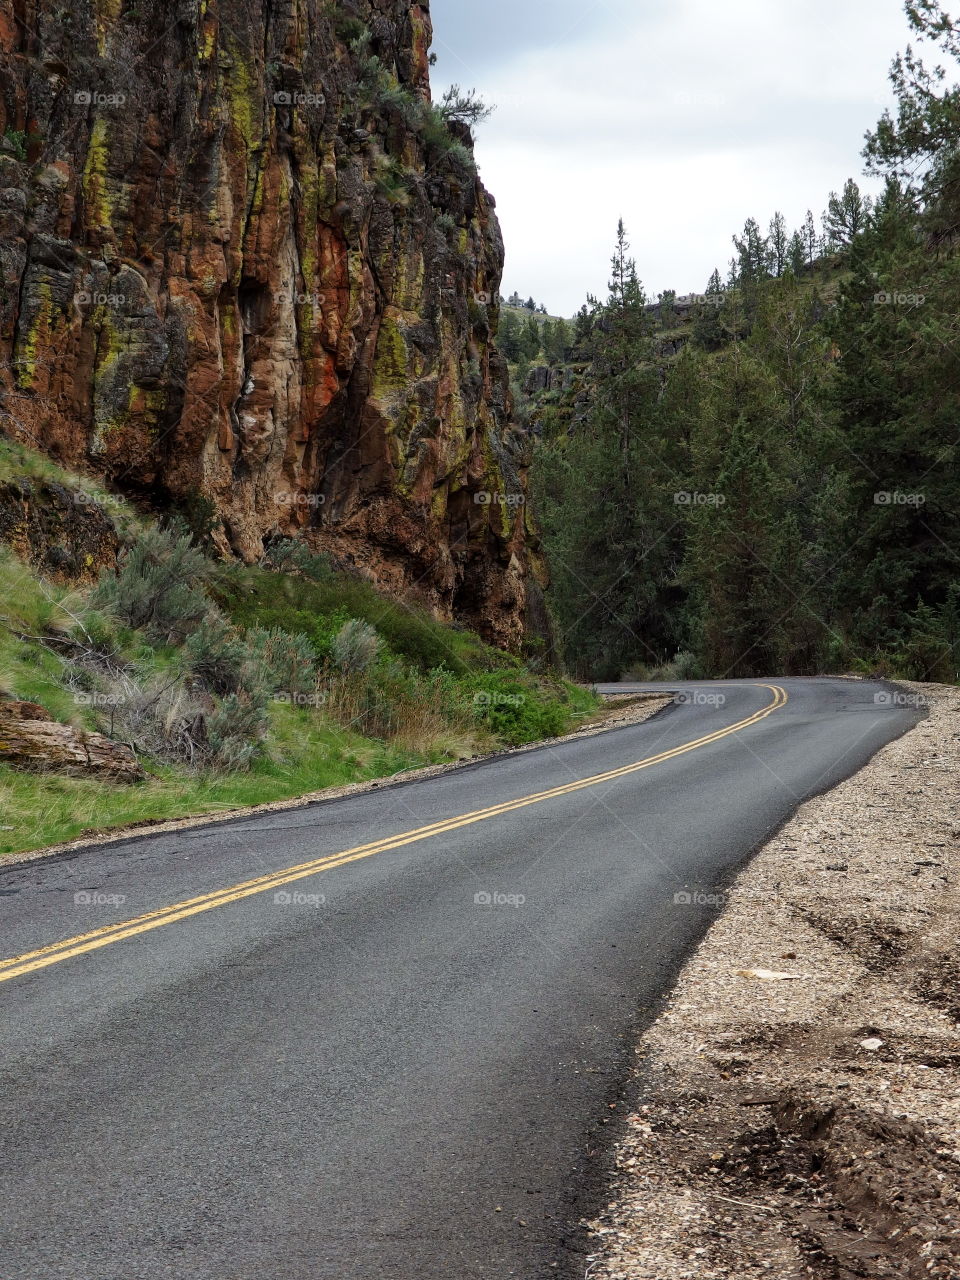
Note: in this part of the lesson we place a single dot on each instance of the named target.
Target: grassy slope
(305, 750)
(304, 755)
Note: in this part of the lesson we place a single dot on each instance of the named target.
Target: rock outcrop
(243, 258)
(64, 532)
(31, 739)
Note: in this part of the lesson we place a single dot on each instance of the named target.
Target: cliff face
(241, 258)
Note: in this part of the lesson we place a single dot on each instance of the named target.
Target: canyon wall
(245, 263)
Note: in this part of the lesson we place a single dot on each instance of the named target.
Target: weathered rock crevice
(240, 259)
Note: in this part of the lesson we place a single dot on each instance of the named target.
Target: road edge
(655, 705)
(743, 1087)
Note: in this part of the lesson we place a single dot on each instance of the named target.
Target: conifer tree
(777, 241)
(811, 241)
(796, 254)
(530, 338)
(846, 216)
(752, 252)
(508, 336)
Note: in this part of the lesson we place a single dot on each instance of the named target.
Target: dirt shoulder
(809, 1126)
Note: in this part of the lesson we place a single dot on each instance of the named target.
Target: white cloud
(683, 117)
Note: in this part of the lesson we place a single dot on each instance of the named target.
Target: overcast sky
(684, 116)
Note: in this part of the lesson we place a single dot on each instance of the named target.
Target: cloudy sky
(684, 116)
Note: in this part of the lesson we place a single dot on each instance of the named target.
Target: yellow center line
(108, 934)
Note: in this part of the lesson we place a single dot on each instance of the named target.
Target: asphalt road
(398, 1066)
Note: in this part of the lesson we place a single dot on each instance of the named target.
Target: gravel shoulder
(809, 1125)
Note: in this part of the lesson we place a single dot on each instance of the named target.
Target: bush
(290, 556)
(218, 655)
(436, 133)
(465, 106)
(198, 516)
(392, 702)
(356, 646)
(286, 662)
(256, 597)
(351, 30)
(158, 588)
(104, 634)
(517, 710)
(235, 730)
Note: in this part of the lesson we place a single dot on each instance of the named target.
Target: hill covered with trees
(763, 477)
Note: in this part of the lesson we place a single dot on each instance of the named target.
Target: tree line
(525, 340)
(783, 495)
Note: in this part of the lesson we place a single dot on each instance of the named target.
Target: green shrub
(158, 588)
(393, 97)
(351, 30)
(218, 654)
(288, 555)
(465, 106)
(519, 710)
(286, 662)
(356, 646)
(235, 730)
(257, 597)
(392, 183)
(16, 141)
(104, 634)
(199, 517)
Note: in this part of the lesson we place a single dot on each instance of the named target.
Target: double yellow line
(69, 947)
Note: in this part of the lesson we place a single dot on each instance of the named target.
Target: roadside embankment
(618, 712)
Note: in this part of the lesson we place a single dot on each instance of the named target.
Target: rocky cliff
(243, 258)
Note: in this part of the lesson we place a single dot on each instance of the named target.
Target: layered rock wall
(242, 258)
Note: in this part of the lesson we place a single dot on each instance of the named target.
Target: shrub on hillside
(518, 710)
(218, 655)
(235, 730)
(288, 555)
(286, 662)
(355, 647)
(158, 588)
(255, 597)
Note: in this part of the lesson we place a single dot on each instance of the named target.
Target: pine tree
(509, 337)
(562, 341)
(846, 216)
(667, 307)
(896, 395)
(777, 240)
(796, 254)
(583, 324)
(751, 253)
(921, 147)
(530, 339)
(606, 497)
(737, 545)
(811, 241)
(707, 323)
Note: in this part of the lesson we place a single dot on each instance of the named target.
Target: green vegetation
(317, 609)
(464, 106)
(241, 685)
(445, 127)
(305, 754)
(765, 479)
(15, 140)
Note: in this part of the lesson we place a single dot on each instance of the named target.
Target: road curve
(379, 1038)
